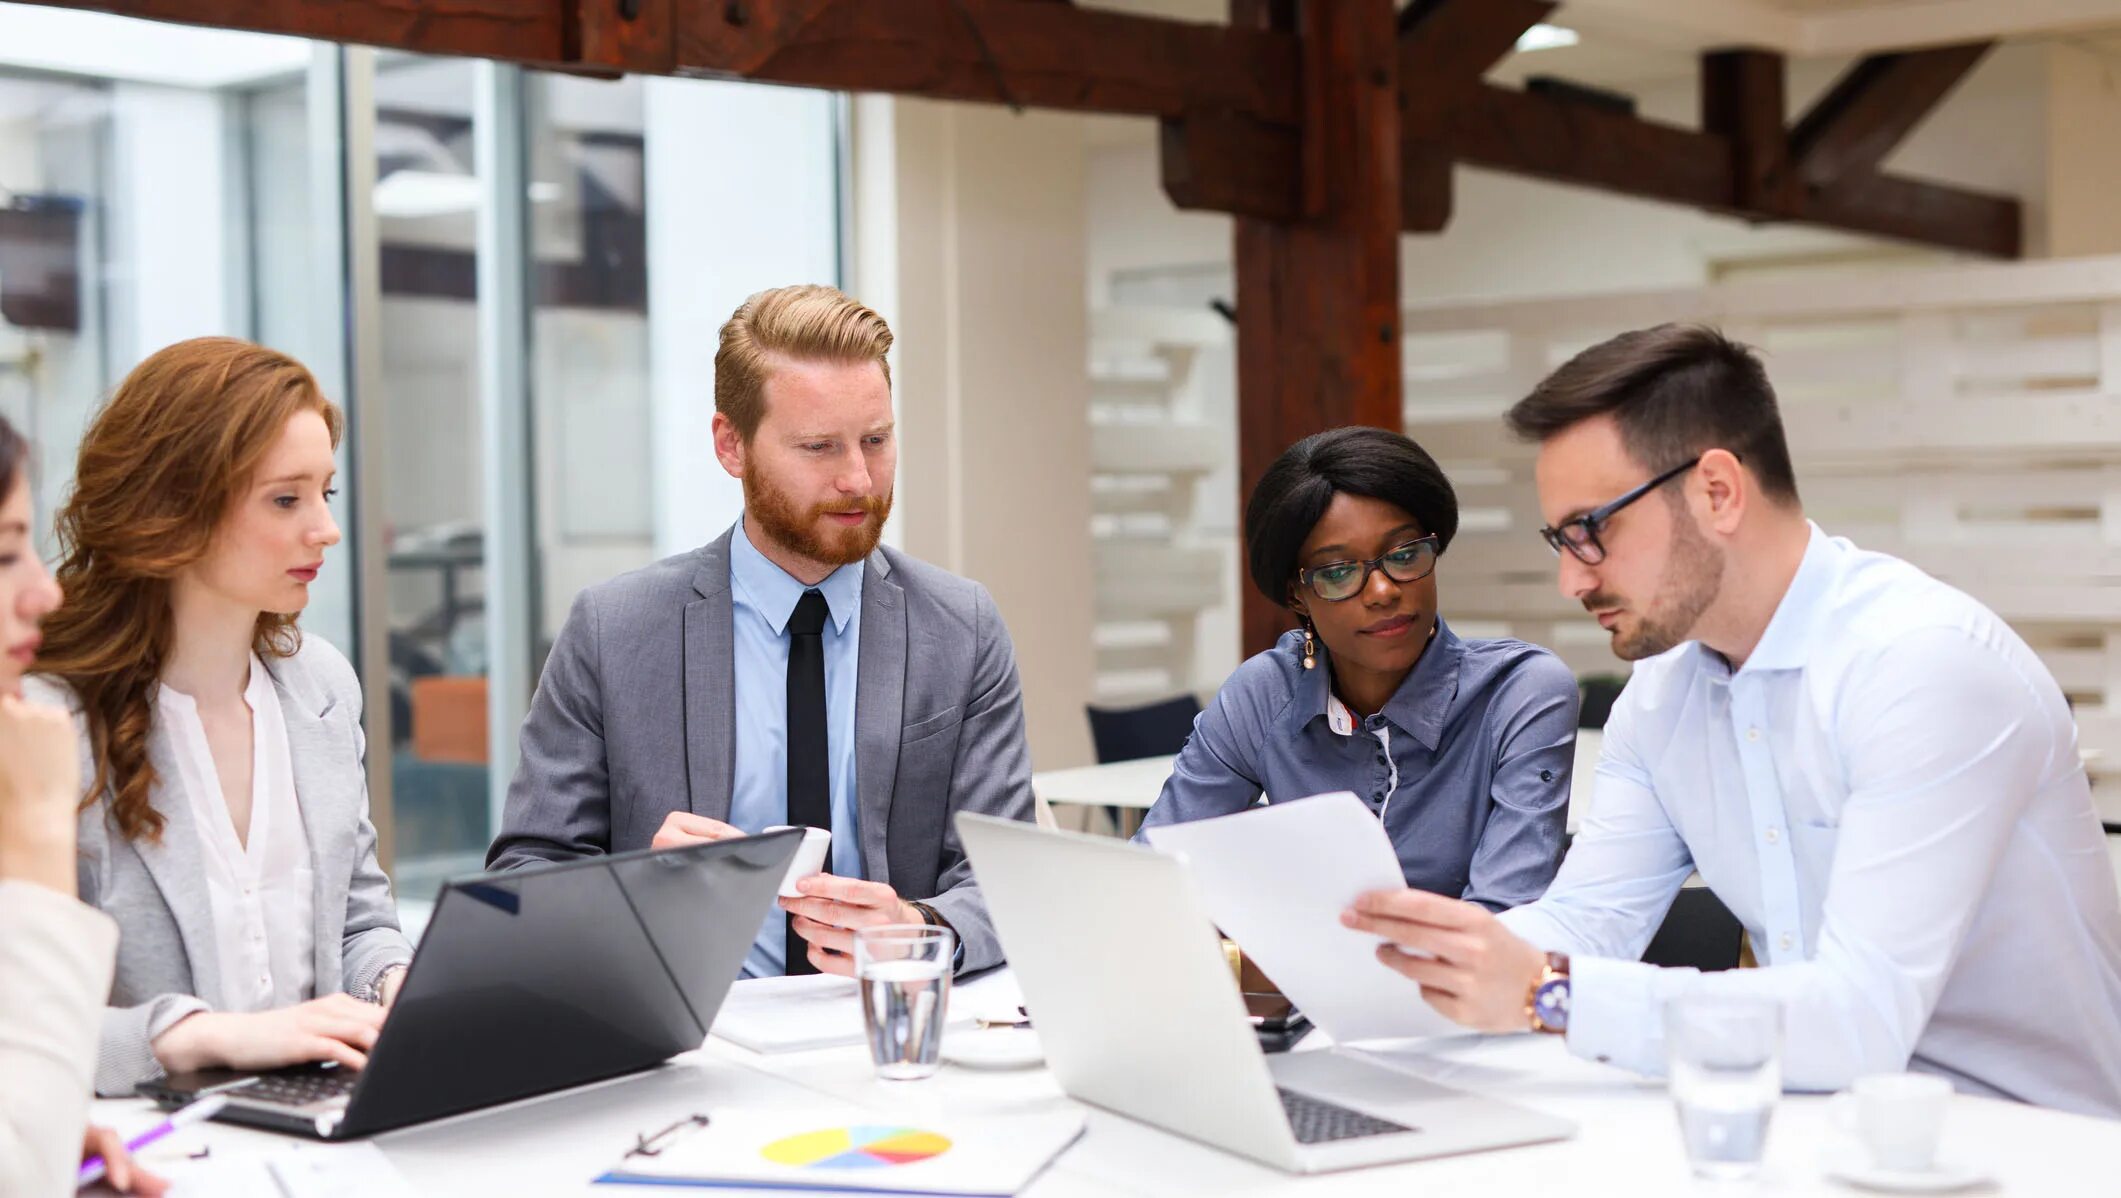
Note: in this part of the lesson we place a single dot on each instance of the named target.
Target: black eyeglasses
(1580, 536)
(1336, 581)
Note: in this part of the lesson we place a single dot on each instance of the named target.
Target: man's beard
(1693, 577)
(803, 531)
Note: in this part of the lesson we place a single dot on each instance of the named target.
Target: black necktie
(809, 793)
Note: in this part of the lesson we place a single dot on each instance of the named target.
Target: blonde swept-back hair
(808, 322)
(179, 441)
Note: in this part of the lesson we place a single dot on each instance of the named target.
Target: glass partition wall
(462, 252)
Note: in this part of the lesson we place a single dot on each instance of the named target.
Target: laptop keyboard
(1316, 1121)
(299, 1089)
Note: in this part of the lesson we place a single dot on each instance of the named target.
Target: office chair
(1698, 931)
(1152, 730)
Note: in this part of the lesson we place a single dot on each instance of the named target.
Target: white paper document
(358, 1170)
(839, 1148)
(822, 1010)
(1276, 879)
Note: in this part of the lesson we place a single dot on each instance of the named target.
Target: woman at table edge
(56, 952)
(1461, 746)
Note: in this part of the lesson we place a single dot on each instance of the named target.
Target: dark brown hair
(179, 440)
(14, 455)
(1676, 391)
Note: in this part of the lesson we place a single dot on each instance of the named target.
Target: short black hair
(1676, 391)
(1295, 491)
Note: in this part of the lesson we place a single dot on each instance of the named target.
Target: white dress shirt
(261, 888)
(1888, 795)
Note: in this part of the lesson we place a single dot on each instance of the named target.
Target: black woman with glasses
(1461, 747)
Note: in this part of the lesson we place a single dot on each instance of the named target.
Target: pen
(93, 1168)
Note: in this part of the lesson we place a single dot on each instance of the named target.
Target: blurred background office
(512, 280)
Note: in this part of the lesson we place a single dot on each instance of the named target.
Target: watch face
(1551, 1003)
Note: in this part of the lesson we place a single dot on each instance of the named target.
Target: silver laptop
(1139, 1014)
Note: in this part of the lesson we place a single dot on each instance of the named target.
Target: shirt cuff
(1616, 1015)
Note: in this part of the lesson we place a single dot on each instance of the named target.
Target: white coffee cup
(809, 857)
(1897, 1117)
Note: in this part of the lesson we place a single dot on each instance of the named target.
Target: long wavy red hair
(179, 440)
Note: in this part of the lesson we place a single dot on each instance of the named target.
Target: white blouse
(260, 888)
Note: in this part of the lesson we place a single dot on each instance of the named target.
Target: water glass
(1725, 1060)
(904, 973)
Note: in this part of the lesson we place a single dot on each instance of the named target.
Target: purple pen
(93, 1168)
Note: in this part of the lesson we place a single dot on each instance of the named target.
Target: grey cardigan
(155, 890)
(635, 717)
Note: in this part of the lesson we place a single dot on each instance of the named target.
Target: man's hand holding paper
(1277, 879)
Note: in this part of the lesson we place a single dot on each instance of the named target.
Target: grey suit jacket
(635, 717)
(167, 965)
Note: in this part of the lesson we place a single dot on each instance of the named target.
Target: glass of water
(904, 972)
(1725, 1058)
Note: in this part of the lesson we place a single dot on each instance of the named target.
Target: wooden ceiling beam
(536, 32)
(1445, 46)
(1739, 166)
(1244, 123)
(1823, 172)
(1872, 109)
(1560, 141)
(996, 51)
(1449, 43)
(1905, 209)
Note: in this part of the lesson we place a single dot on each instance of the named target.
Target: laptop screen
(553, 976)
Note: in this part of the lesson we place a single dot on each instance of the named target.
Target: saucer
(993, 1048)
(1941, 1177)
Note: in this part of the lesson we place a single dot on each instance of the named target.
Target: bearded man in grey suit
(790, 672)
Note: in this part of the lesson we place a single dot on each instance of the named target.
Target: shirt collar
(1788, 638)
(774, 592)
(257, 689)
(1419, 706)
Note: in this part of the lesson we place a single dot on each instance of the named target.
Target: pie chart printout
(864, 1147)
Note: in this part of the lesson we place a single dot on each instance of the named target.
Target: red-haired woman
(226, 827)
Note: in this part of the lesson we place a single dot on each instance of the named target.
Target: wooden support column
(1742, 102)
(1318, 297)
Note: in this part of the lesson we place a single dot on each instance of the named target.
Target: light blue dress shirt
(1888, 795)
(762, 598)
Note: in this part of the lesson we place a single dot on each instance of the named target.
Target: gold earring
(1310, 648)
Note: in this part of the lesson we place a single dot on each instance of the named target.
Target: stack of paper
(1275, 879)
(845, 1149)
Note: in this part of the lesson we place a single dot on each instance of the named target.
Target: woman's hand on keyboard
(337, 1027)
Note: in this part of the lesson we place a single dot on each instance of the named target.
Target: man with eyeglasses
(1867, 766)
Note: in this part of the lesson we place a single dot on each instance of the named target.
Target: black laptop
(531, 981)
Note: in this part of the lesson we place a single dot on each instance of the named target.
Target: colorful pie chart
(856, 1148)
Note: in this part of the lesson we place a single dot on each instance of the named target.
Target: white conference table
(1628, 1142)
(1134, 785)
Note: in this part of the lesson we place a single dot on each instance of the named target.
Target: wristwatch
(1546, 1006)
(373, 992)
(934, 919)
